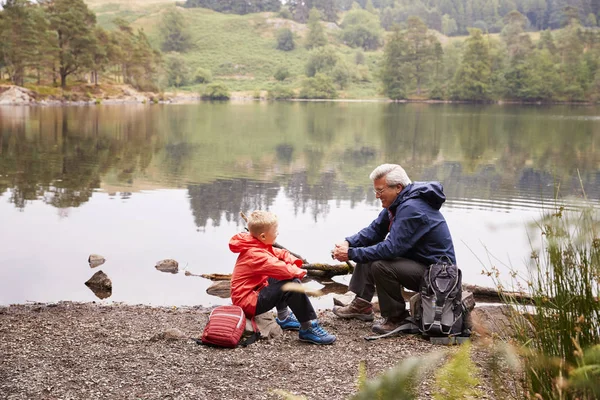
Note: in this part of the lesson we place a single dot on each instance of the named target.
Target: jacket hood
(431, 192)
(244, 241)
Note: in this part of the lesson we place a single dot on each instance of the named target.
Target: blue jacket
(418, 230)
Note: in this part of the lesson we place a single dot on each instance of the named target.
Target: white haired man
(409, 234)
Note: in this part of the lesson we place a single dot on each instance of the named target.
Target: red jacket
(257, 262)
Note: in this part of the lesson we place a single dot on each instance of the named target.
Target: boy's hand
(302, 273)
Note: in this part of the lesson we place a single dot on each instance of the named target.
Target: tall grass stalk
(564, 285)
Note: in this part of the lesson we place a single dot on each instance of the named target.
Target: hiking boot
(291, 323)
(316, 334)
(389, 324)
(358, 308)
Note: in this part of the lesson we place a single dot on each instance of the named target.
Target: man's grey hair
(394, 175)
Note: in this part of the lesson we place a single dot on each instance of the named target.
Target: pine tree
(394, 60)
(472, 79)
(73, 24)
(421, 50)
(19, 38)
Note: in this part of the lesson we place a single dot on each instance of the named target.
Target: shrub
(285, 40)
(436, 92)
(319, 87)
(216, 91)
(202, 75)
(282, 74)
(342, 74)
(280, 93)
(178, 71)
(322, 59)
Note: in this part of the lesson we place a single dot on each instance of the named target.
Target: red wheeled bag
(225, 328)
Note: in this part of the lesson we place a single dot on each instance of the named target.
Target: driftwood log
(483, 294)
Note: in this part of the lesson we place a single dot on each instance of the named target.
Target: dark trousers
(272, 296)
(388, 277)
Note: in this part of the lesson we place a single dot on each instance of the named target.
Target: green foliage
(319, 87)
(422, 50)
(360, 28)
(175, 34)
(179, 73)
(216, 91)
(236, 6)
(392, 77)
(72, 22)
(398, 383)
(285, 40)
(359, 57)
(202, 75)
(457, 378)
(472, 79)
(316, 34)
(322, 59)
(562, 283)
(342, 74)
(280, 92)
(282, 73)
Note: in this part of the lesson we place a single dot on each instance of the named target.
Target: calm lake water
(140, 183)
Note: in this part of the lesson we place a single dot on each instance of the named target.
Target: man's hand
(340, 252)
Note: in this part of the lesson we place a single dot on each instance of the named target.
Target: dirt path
(89, 351)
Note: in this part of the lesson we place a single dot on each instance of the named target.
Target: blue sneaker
(291, 323)
(316, 334)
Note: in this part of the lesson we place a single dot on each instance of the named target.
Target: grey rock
(168, 265)
(100, 284)
(169, 334)
(268, 327)
(96, 260)
(220, 289)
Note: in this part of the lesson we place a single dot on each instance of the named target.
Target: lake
(141, 183)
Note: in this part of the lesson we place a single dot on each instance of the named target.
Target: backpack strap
(252, 338)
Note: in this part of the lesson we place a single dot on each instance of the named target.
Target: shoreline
(20, 96)
(88, 350)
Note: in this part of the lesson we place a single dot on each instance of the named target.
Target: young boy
(259, 274)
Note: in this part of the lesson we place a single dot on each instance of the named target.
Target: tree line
(562, 65)
(450, 17)
(60, 38)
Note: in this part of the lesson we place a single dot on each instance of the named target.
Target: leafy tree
(449, 26)
(392, 77)
(285, 40)
(322, 59)
(360, 28)
(316, 34)
(421, 51)
(175, 34)
(20, 37)
(179, 73)
(342, 74)
(236, 6)
(319, 87)
(73, 24)
(472, 78)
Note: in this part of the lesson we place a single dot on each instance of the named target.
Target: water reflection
(310, 161)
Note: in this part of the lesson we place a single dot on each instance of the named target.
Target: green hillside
(239, 50)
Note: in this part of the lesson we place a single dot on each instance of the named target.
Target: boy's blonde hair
(261, 221)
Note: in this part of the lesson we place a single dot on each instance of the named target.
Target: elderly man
(393, 252)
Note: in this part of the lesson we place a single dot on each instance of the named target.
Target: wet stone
(100, 284)
(168, 265)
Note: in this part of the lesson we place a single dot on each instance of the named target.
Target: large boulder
(100, 284)
(268, 327)
(501, 321)
(16, 95)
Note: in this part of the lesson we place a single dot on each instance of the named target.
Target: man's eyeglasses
(379, 192)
